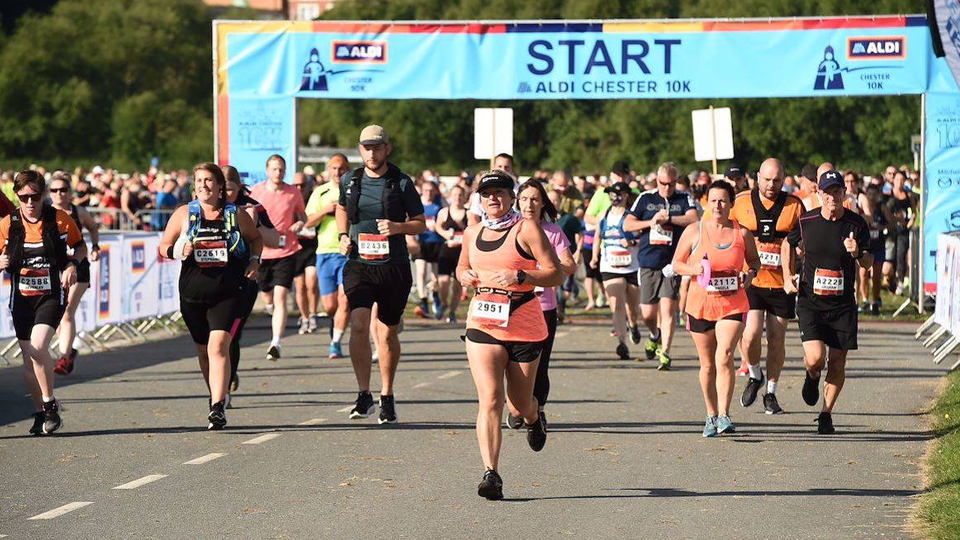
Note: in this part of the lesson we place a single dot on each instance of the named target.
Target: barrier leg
(924, 327)
(902, 307)
(934, 337)
(945, 349)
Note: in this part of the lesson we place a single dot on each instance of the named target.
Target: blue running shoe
(335, 350)
(725, 425)
(710, 427)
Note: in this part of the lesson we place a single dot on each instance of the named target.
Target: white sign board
(712, 129)
(492, 133)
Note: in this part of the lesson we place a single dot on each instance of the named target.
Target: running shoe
(537, 433)
(364, 406)
(452, 318)
(665, 361)
(811, 389)
(710, 427)
(635, 334)
(825, 424)
(589, 306)
(51, 417)
(335, 350)
(270, 309)
(614, 333)
(234, 382)
(64, 366)
(437, 306)
(217, 418)
(514, 422)
(863, 307)
(491, 487)
(875, 308)
(725, 424)
(622, 351)
(421, 309)
(651, 348)
(304, 327)
(744, 370)
(388, 410)
(750, 390)
(37, 428)
(273, 353)
(438, 314)
(601, 301)
(311, 324)
(770, 404)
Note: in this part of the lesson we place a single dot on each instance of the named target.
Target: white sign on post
(492, 133)
(712, 134)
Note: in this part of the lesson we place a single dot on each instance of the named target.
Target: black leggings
(541, 388)
(249, 298)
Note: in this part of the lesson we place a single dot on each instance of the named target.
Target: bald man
(770, 214)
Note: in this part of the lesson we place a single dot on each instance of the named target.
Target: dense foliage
(125, 80)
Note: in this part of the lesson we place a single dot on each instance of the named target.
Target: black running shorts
(837, 328)
(522, 352)
(203, 318)
(702, 326)
(278, 272)
(387, 285)
(30, 311)
(775, 301)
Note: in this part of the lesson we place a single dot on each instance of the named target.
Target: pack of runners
(737, 260)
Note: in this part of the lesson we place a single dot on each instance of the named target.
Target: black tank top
(212, 273)
(451, 223)
(75, 214)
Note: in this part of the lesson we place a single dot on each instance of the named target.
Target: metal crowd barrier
(942, 342)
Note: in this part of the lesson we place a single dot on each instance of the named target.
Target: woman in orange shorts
(714, 254)
(503, 258)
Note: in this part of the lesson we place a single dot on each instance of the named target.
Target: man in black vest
(770, 214)
(379, 205)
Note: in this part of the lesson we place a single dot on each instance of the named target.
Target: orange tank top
(724, 295)
(505, 313)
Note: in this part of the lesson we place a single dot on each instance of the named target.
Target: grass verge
(938, 512)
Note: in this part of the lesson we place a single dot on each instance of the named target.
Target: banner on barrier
(947, 312)
(942, 198)
(126, 284)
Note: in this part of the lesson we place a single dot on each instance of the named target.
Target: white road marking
(345, 409)
(421, 385)
(561, 333)
(141, 482)
(450, 374)
(262, 438)
(204, 459)
(313, 422)
(57, 512)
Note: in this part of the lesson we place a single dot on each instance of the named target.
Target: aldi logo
(359, 52)
(138, 257)
(876, 48)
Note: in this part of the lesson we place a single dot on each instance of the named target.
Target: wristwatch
(342, 234)
(521, 277)
(255, 258)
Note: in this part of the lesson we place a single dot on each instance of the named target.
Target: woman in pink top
(534, 205)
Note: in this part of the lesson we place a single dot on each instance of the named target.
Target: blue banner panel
(259, 128)
(583, 61)
(942, 178)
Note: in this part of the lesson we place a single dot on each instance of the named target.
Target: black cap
(495, 179)
(830, 179)
(734, 172)
(622, 168)
(809, 171)
(622, 188)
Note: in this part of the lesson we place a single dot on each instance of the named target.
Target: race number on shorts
(769, 255)
(661, 235)
(34, 282)
(490, 309)
(373, 247)
(210, 254)
(828, 282)
(618, 258)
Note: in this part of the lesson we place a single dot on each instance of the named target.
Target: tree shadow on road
(655, 493)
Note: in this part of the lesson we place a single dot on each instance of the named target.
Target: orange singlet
(724, 295)
(510, 313)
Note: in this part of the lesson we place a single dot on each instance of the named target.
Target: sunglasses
(35, 197)
(60, 190)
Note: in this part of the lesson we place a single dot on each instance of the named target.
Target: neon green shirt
(328, 237)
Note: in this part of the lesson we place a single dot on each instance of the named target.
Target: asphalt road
(624, 458)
